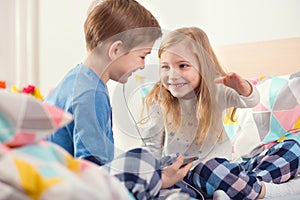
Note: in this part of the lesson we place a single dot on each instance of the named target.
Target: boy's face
(179, 71)
(129, 62)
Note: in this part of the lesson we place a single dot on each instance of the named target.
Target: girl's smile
(179, 71)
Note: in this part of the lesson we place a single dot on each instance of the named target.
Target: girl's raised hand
(174, 173)
(237, 83)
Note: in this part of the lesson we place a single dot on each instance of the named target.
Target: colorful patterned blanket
(35, 169)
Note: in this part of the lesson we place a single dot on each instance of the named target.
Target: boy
(119, 35)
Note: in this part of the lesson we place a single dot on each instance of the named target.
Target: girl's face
(179, 71)
(128, 63)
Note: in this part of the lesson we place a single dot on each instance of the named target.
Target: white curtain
(19, 42)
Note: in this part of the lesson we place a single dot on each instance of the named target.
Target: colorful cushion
(24, 119)
(275, 118)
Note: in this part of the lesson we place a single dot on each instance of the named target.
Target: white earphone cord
(131, 115)
(198, 192)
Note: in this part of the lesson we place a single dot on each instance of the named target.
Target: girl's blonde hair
(210, 68)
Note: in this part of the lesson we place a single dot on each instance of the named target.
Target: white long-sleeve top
(161, 141)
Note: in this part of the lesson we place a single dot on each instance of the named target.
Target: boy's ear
(114, 50)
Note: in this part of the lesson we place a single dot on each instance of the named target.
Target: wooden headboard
(274, 57)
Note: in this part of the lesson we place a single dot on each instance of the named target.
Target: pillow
(275, 118)
(25, 119)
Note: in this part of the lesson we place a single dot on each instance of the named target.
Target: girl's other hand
(174, 173)
(237, 83)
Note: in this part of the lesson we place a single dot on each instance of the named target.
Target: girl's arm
(234, 81)
(237, 92)
(174, 173)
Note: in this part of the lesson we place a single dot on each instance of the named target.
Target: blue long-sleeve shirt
(83, 94)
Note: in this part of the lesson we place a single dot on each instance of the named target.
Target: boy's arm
(92, 134)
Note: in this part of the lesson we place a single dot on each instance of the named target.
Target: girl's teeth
(178, 85)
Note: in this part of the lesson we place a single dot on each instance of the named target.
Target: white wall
(225, 22)
(61, 38)
(231, 21)
(7, 43)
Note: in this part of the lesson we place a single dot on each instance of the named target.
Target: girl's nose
(173, 74)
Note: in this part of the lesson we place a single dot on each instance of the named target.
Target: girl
(185, 117)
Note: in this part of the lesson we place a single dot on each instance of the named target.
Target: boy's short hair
(108, 18)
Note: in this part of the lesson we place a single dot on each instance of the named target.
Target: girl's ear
(114, 50)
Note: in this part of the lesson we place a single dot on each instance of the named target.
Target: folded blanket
(46, 171)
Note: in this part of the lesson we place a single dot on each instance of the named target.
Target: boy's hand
(173, 173)
(237, 83)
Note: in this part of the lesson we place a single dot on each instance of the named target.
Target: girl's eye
(165, 67)
(183, 66)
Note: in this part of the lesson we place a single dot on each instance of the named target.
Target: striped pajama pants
(277, 164)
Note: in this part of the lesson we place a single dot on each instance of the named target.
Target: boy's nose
(142, 67)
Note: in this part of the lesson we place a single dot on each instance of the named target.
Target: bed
(274, 67)
(31, 169)
(274, 57)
